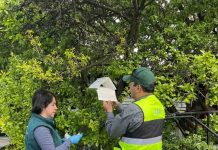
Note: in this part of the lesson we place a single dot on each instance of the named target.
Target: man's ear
(139, 87)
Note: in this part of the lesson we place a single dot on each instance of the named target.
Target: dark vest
(34, 122)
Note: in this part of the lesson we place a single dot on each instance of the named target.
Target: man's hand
(108, 106)
(115, 103)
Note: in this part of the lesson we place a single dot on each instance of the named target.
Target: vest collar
(49, 121)
(142, 97)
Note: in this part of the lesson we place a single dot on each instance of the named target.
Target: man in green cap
(140, 124)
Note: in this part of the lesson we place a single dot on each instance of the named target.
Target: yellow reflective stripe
(142, 141)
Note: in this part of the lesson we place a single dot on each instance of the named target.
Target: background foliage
(65, 45)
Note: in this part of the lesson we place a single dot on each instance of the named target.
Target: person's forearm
(114, 126)
(45, 141)
(131, 117)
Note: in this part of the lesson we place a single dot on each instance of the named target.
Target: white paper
(106, 94)
(105, 89)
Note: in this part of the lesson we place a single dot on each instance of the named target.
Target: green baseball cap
(142, 76)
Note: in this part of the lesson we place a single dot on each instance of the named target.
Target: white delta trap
(105, 89)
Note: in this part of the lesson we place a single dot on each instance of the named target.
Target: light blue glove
(76, 138)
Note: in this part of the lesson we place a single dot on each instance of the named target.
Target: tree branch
(106, 8)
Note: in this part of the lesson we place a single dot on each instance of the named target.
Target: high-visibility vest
(149, 135)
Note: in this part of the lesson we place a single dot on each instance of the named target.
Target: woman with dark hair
(41, 133)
